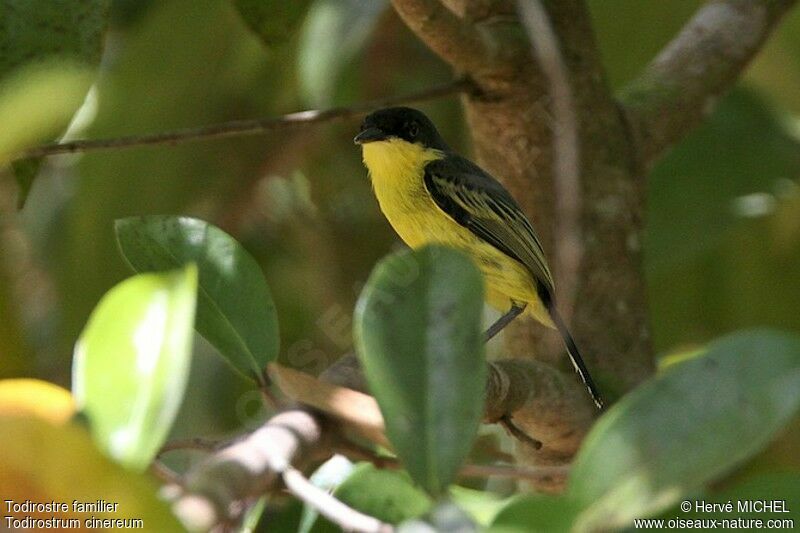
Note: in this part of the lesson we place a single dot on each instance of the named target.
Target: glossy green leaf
(131, 363)
(235, 311)
(274, 21)
(387, 495)
(418, 335)
(334, 32)
(536, 514)
(43, 462)
(686, 427)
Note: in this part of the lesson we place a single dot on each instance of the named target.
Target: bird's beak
(370, 135)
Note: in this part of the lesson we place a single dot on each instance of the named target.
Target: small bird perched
(430, 194)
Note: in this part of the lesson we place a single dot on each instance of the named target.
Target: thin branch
(683, 83)
(238, 128)
(247, 468)
(193, 443)
(334, 510)
(164, 473)
(450, 37)
(566, 149)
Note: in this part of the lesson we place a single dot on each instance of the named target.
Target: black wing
(478, 202)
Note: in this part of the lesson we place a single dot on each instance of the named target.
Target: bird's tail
(572, 350)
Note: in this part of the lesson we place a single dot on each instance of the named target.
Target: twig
(248, 467)
(566, 148)
(245, 127)
(682, 84)
(328, 506)
(193, 443)
(164, 473)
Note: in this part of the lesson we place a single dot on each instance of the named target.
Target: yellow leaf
(33, 397)
(60, 466)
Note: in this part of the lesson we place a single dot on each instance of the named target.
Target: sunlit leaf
(686, 427)
(48, 37)
(334, 32)
(38, 102)
(235, 311)
(418, 334)
(45, 463)
(33, 397)
(328, 476)
(131, 363)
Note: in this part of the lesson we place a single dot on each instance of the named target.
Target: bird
(432, 195)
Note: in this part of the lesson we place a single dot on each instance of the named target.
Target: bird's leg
(504, 320)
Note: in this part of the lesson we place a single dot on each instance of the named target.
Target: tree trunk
(511, 124)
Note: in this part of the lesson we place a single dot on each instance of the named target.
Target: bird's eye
(412, 129)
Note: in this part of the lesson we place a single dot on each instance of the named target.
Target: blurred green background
(723, 239)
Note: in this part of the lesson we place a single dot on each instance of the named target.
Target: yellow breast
(397, 171)
(397, 168)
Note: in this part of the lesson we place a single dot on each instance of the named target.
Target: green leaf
(273, 21)
(687, 427)
(761, 487)
(418, 335)
(36, 103)
(131, 363)
(387, 495)
(235, 311)
(44, 463)
(334, 32)
(65, 30)
(328, 476)
(483, 506)
(533, 514)
(48, 51)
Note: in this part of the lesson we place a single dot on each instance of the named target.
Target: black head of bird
(402, 123)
